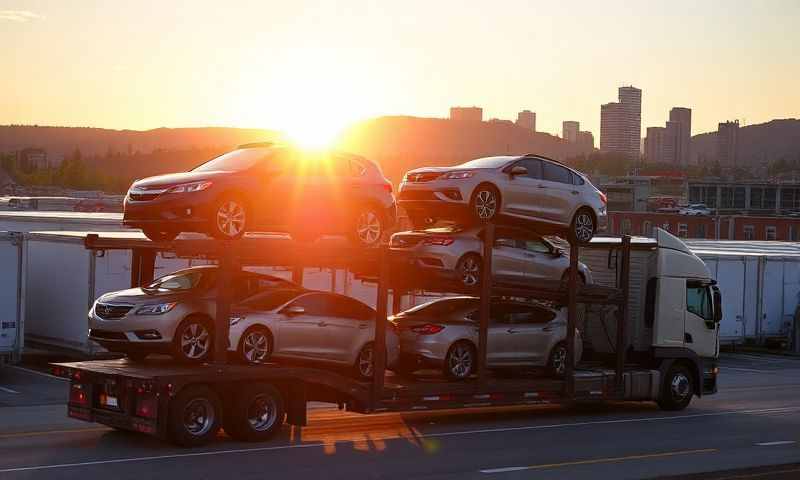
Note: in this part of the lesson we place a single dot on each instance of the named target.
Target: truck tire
(194, 416)
(256, 414)
(677, 388)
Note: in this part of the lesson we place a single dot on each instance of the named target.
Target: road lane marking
(50, 432)
(752, 370)
(36, 372)
(397, 437)
(771, 473)
(8, 390)
(779, 442)
(598, 460)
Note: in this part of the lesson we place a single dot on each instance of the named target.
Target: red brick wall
(695, 224)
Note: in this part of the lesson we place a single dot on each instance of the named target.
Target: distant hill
(759, 143)
(100, 141)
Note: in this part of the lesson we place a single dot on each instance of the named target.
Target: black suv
(267, 186)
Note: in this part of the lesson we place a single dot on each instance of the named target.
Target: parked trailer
(12, 296)
(187, 404)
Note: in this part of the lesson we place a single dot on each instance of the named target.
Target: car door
(301, 334)
(540, 260)
(499, 347)
(561, 193)
(346, 328)
(533, 332)
(276, 177)
(523, 194)
(509, 258)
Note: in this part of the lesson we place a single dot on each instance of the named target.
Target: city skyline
(326, 65)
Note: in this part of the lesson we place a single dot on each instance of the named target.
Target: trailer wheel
(256, 414)
(194, 416)
(677, 388)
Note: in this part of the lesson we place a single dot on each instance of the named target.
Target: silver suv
(528, 187)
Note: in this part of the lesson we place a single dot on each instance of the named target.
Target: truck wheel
(256, 414)
(194, 416)
(676, 389)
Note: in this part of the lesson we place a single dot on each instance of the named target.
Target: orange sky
(312, 67)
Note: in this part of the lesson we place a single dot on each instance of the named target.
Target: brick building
(726, 227)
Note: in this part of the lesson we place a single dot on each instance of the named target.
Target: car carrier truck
(652, 318)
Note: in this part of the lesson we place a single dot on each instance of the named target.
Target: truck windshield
(236, 161)
(176, 282)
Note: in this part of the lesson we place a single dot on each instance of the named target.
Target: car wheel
(677, 389)
(255, 347)
(485, 203)
(368, 228)
(468, 269)
(582, 227)
(460, 361)
(194, 416)
(157, 235)
(557, 363)
(256, 414)
(193, 340)
(364, 367)
(230, 217)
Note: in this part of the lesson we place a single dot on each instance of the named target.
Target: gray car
(528, 187)
(443, 334)
(173, 315)
(454, 252)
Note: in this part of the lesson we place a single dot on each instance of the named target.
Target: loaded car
(695, 209)
(173, 314)
(528, 188)
(443, 334)
(267, 186)
(310, 326)
(455, 252)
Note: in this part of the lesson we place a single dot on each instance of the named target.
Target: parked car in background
(267, 186)
(695, 209)
(455, 252)
(173, 314)
(529, 187)
(94, 205)
(308, 325)
(443, 334)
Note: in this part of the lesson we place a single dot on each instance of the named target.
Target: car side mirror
(294, 311)
(518, 170)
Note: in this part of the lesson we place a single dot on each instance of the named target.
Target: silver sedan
(454, 252)
(443, 334)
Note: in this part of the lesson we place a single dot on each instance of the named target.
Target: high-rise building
(569, 131)
(586, 140)
(654, 144)
(728, 143)
(466, 114)
(527, 120)
(621, 124)
(682, 118)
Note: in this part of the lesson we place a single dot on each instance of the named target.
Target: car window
(556, 173)
(506, 242)
(536, 246)
(344, 307)
(251, 283)
(270, 300)
(315, 304)
(698, 301)
(577, 179)
(534, 167)
(237, 160)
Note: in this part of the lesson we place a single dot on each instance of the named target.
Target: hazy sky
(283, 64)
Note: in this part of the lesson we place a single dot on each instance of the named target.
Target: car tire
(677, 388)
(485, 203)
(469, 270)
(557, 360)
(195, 416)
(255, 414)
(255, 346)
(582, 227)
(461, 361)
(367, 228)
(229, 218)
(365, 363)
(193, 340)
(159, 235)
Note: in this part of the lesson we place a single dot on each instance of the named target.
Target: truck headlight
(157, 309)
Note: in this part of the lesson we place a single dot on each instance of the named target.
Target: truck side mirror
(717, 304)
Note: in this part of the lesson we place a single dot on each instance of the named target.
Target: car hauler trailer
(12, 296)
(187, 404)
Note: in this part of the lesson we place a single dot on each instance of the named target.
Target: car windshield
(180, 281)
(236, 161)
(487, 162)
(271, 300)
(442, 307)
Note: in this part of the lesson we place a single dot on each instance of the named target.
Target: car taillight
(427, 329)
(603, 198)
(387, 186)
(440, 241)
(78, 395)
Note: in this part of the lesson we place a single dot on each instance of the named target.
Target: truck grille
(108, 311)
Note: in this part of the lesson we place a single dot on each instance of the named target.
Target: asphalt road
(754, 421)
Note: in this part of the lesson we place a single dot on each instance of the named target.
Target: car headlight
(158, 309)
(458, 175)
(189, 187)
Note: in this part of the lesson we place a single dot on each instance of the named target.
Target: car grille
(417, 195)
(422, 177)
(142, 197)
(108, 311)
(106, 335)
